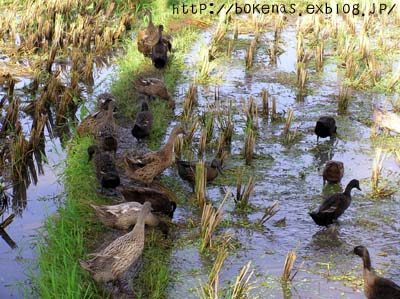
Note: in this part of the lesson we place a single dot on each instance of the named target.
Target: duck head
(177, 131)
(361, 251)
(147, 207)
(103, 100)
(355, 184)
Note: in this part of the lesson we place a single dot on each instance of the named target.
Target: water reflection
(324, 151)
(327, 238)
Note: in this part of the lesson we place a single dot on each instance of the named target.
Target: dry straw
(210, 219)
(288, 267)
(200, 183)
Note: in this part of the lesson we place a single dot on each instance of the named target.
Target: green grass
(134, 64)
(65, 241)
(154, 276)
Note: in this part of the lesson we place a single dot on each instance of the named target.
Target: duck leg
(120, 286)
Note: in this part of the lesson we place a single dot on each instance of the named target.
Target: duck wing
(144, 119)
(333, 204)
(139, 162)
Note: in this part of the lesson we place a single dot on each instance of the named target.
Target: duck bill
(359, 188)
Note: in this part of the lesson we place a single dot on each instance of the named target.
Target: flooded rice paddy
(286, 172)
(291, 173)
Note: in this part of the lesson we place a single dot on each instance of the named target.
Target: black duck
(334, 206)
(375, 287)
(106, 172)
(333, 171)
(143, 123)
(187, 170)
(325, 127)
(159, 53)
(161, 200)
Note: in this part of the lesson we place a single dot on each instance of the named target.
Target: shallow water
(291, 175)
(18, 264)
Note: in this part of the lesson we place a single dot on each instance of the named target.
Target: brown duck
(375, 287)
(125, 215)
(145, 168)
(148, 37)
(111, 263)
(89, 124)
(153, 87)
(162, 200)
(103, 99)
(106, 130)
(333, 171)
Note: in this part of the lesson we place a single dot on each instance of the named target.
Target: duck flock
(145, 198)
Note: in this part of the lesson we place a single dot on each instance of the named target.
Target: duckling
(187, 170)
(375, 287)
(111, 263)
(333, 171)
(124, 215)
(159, 52)
(334, 206)
(161, 200)
(145, 168)
(106, 130)
(106, 172)
(325, 127)
(143, 123)
(153, 87)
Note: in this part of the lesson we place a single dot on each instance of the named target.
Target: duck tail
(173, 208)
(315, 217)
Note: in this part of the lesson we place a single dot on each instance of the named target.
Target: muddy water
(17, 264)
(291, 175)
